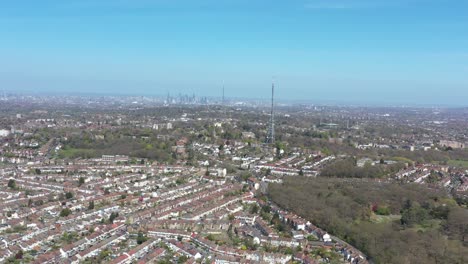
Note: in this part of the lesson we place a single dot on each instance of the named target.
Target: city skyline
(370, 52)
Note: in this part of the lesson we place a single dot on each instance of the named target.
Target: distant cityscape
(187, 179)
(194, 99)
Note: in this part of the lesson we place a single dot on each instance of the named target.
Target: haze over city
(354, 51)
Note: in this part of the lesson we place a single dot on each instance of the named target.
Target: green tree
(65, 212)
(69, 195)
(81, 181)
(12, 184)
(112, 217)
(289, 251)
(383, 210)
(141, 238)
(254, 209)
(414, 215)
(182, 259)
(457, 224)
(246, 175)
(266, 209)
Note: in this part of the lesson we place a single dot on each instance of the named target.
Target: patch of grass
(379, 219)
(402, 159)
(72, 153)
(219, 239)
(428, 225)
(458, 163)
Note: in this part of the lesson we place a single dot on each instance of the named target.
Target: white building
(4, 132)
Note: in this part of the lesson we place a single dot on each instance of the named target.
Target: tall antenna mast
(271, 131)
(223, 91)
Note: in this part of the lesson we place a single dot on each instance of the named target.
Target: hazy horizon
(213, 100)
(352, 51)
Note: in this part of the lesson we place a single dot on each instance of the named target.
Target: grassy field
(458, 163)
(72, 153)
(427, 226)
(384, 218)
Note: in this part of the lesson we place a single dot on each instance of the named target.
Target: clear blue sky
(371, 51)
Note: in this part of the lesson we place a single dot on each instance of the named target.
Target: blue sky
(365, 51)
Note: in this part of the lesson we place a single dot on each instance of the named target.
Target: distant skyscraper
(223, 91)
(270, 139)
(4, 97)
